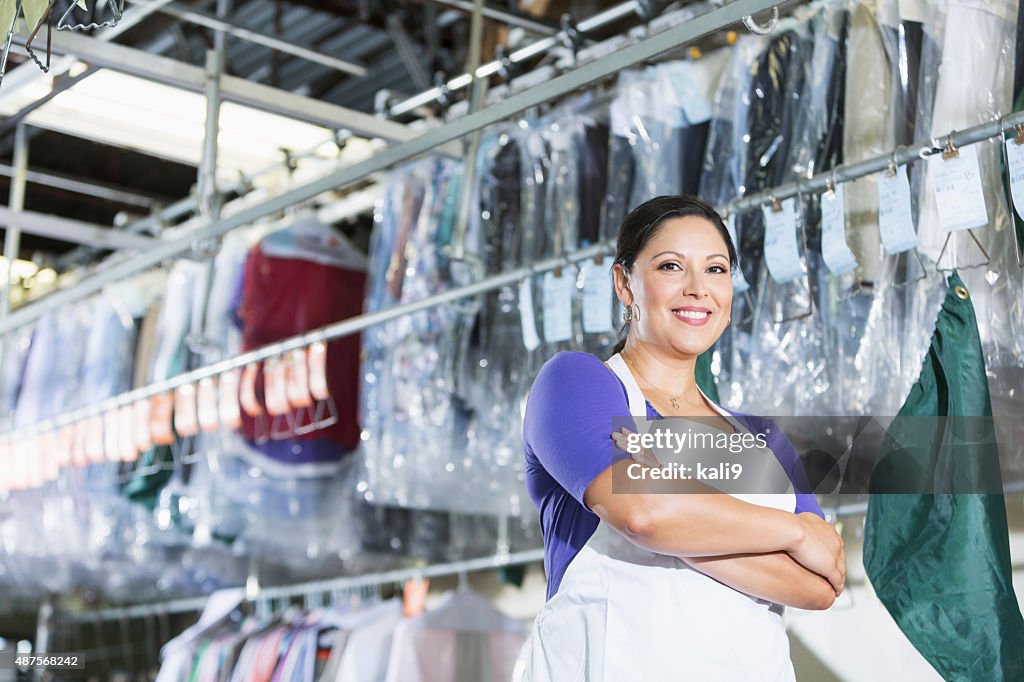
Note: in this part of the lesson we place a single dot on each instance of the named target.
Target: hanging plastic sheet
(972, 83)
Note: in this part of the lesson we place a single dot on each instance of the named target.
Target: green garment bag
(705, 377)
(940, 561)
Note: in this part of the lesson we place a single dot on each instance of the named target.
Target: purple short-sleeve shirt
(567, 435)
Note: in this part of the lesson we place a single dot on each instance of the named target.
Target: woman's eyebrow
(681, 255)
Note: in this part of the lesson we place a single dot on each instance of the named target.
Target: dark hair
(644, 221)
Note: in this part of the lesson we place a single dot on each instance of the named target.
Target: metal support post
(16, 202)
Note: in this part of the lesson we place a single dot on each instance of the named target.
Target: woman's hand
(645, 456)
(821, 550)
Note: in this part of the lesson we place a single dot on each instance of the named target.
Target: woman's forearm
(691, 519)
(774, 576)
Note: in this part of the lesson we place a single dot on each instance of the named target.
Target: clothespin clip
(830, 184)
(1019, 137)
(507, 69)
(731, 37)
(694, 52)
(776, 204)
(891, 170)
(950, 152)
(570, 36)
(444, 92)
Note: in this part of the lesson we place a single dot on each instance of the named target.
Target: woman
(645, 586)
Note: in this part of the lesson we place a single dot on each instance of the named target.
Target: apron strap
(637, 402)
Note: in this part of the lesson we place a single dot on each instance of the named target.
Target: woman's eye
(719, 269)
(671, 265)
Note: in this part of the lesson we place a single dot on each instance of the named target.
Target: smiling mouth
(692, 314)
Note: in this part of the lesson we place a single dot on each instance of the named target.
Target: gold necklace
(671, 399)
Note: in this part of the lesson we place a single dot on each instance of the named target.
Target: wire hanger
(116, 10)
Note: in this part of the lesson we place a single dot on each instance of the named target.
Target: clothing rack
(596, 70)
(333, 585)
(843, 173)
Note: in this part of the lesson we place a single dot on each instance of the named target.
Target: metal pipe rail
(900, 156)
(346, 583)
(534, 49)
(591, 72)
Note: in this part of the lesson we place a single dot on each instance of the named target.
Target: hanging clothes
(465, 639)
(296, 280)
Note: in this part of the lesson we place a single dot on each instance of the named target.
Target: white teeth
(692, 314)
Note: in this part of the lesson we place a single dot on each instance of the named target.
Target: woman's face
(682, 283)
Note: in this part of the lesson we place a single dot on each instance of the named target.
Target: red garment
(283, 297)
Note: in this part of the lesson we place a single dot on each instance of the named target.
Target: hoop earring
(627, 314)
(636, 315)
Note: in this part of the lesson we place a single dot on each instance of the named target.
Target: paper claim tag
(227, 399)
(34, 455)
(186, 421)
(65, 443)
(558, 290)
(6, 467)
(274, 387)
(297, 380)
(247, 391)
(895, 220)
(48, 454)
(527, 317)
(317, 356)
(111, 436)
(94, 439)
(161, 408)
(598, 294)
(206, 404)
(141, 411)
(781, 252)
(414, 597)
(834, 249)
(958, 191)
(78, 456)
(126, 435)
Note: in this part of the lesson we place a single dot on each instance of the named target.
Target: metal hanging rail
(843, 173)
(347, 583)
(591, 72)
(534, 49)
(900, 156)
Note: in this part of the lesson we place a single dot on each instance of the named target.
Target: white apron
(624, 614)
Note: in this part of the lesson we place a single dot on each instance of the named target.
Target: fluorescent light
(167, 122)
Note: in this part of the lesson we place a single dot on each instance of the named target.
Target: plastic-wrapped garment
(219, 328)
(868, 132)
(592, 160)
(49, 382)
(723, 179)
(902, 37)
(415, 442)
(973, 84)
(774, 109)
(506, 176)
(724, 173)
(298, 279)
(170, 357)
(817, 131)
(463, 638)
(15, 347)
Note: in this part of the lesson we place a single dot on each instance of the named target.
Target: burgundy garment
(283, 297)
